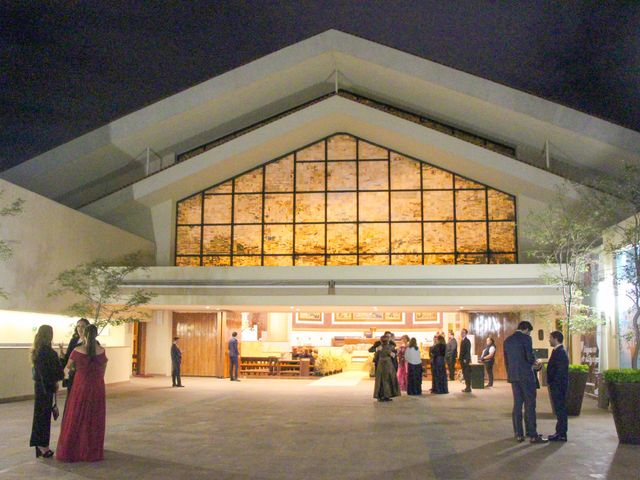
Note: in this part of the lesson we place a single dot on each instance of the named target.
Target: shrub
(622, 375)
(574, 367)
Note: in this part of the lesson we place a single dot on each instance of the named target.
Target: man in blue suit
(520, 361)
(558, 381)
(234, 353)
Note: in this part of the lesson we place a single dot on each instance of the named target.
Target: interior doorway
(139, 347)
(199, 342)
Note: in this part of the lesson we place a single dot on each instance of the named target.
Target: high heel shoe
(47, 454)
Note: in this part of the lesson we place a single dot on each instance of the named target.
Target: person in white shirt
(414, 365)
(488, 358)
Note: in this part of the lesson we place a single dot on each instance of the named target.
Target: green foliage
(98, 284)
(14, 208)
(622, 375)
(327, 363)
(575, 367)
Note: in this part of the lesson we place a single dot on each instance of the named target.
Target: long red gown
(82, 431)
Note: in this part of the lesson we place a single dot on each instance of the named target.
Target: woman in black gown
(47, 372)
(76, 339)
(439, 373)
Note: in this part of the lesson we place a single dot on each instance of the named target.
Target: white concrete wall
(15, 375)
(48, 238)
(158, 347)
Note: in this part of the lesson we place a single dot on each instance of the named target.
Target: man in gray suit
(520, 361)
(451, 354)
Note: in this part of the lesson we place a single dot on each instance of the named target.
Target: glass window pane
(471, 205)
(406, 238)
(462, 182)
(405, 173)
(278, 239)
(309, 239)
(309, 260)
(217, 209)
(436, 259)
(374, 238)
(405, 206)
(247, 209)
(373, 175)
(374, 259)
(188, 240)
(279, 175)
(341, 147)
(190, 210)
(241, 261)
(342, 260)
(313, 152)
(367, 151)
(342, 238)
(502, 236)
(216, 240)
(374, 206)
(247, 239)
(278, 208)
(250, 181)
(467, 259)
(309, 177)
(341, 176)
(309, 207)
(502, 258)
(278, 261)
(225, 187)
(435, 178)
(501, 206)
(438, 237)
(471, 236)
(187, 261)
(438, 205)
(217, 261)
(406, 259)
(342, 207)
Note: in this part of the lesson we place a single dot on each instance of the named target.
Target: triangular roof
(307, 70)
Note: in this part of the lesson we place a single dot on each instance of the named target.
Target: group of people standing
(83, 421)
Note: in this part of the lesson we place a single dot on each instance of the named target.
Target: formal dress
(386, 385)
(374, 348)
(558, 381)
(83, 425)
(451, 356)
(73, 343)
(438, 370)
(519, 360)
(176, 362)
(233, 358)
(403, 369)
(465, 362)
(47, 372)
(414, 371)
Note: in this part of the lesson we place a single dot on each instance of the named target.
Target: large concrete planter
(575, 392)
(625, 406)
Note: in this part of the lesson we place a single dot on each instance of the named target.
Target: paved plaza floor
(299, 429)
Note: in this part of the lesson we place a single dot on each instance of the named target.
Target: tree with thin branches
(10, 210)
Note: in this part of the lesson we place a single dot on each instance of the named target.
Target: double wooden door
(200, 343)
(497, 326)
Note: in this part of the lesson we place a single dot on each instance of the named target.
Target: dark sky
(68, 67)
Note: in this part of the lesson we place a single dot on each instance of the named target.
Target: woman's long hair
(90, 333)
(413, 343)
(82, 320)
(43, 338)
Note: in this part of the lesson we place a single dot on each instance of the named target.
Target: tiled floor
(287, 429)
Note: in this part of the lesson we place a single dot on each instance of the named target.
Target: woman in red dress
(82, 432)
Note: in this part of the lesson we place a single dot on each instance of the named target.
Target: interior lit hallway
(301, 429)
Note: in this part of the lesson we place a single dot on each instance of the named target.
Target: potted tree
(577, 383)
(624, 395)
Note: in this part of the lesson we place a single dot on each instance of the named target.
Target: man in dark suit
(520, 361)
(450, 355)
(233, 357)
(176, 361)
(465, 359)
(558, 381)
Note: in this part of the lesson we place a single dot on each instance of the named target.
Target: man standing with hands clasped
(233, 357)
(558, 381)
(465, 359)
(520, 362)
(176, 361)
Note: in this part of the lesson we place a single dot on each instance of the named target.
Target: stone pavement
(285, 429)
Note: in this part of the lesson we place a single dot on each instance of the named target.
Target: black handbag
(55, 412)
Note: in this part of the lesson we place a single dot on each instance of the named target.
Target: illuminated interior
(345, 201)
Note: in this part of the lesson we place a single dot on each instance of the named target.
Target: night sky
(69, 67)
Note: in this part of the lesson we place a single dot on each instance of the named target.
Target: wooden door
(498, 326)
(199, 342)
(139, 347)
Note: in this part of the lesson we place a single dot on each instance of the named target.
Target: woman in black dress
(439, 373)
(47, 372)
(76, 339)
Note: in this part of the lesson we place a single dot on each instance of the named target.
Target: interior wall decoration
(345, 201)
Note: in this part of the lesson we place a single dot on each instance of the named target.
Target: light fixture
(375, 308)
(207, 307)
(291, 307)
(461, 308)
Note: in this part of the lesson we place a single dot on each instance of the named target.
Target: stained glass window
(345, 201)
